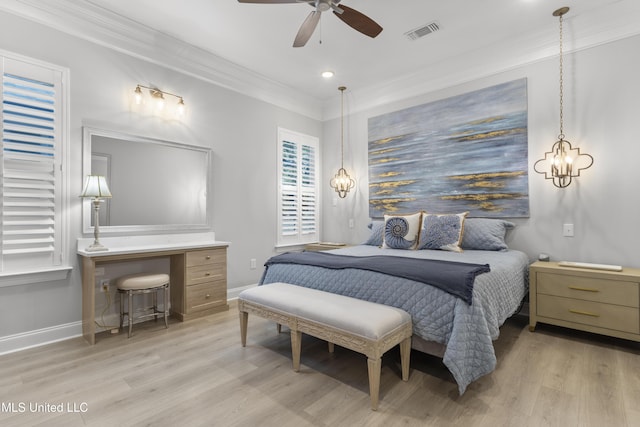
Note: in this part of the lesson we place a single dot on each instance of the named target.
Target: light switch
(567, 230)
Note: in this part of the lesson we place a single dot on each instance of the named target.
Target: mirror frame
(87, 228)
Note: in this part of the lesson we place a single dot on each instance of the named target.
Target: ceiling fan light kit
(351, 17)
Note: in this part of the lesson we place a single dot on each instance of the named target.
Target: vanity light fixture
(96, 188)
(342, 182)
(563, 162)
(158, 96)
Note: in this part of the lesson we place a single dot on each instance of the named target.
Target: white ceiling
(248, 47)
(260, 36)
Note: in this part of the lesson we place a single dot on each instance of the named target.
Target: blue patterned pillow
(487, 234)
(442, 232)
(377, 234)
(401, 231)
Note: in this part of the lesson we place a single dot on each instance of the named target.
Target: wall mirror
(156, 185)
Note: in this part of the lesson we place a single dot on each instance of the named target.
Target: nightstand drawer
(607, 316)
(207, 256)
(590, 289)
(206, 295)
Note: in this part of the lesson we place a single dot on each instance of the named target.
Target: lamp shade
(96, 186)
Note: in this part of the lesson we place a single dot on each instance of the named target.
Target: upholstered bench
(361, 326)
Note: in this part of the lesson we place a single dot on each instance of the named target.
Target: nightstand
(599, 301)
(324, 246)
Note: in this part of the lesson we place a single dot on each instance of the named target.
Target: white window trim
(58, 272)
(298, 138)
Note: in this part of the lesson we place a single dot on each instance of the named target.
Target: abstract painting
(464, 153)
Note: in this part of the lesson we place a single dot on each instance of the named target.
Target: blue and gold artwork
(464, 153)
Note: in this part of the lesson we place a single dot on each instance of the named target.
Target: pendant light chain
(561, 136)
(342, 88)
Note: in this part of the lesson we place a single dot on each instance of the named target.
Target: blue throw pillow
(442, 231)
(487, 234)
(401, 231)
(377, 234)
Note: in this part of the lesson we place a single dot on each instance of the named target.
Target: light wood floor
(197, 374)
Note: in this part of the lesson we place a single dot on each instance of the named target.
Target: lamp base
(96, 247)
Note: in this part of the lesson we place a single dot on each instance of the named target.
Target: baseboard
(233, 293)
(39, 337)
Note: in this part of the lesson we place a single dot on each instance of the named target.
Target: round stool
(143, 283)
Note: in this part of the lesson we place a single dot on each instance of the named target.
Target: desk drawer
(207, 257)
(591, 313)
(206, 295)
(589, 289)
(205, 273)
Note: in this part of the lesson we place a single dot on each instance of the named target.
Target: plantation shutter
(31, 172)
(298, 188)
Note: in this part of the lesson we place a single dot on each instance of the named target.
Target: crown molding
(87, 21)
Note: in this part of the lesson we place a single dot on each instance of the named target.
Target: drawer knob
(207, 274)
(207, 257)
(207, 296)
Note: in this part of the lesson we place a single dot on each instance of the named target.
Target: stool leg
(405, 356)
(129, 311)
(375, 365)
(166, 307)
(121, 310)
(296, 344)
(331, 347)
(154, 302)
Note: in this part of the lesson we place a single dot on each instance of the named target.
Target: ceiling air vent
(422, 31)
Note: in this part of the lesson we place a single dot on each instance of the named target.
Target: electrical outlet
(252, 263)
(105, 286)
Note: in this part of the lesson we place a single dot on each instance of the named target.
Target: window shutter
(31, 173)
(298, 188)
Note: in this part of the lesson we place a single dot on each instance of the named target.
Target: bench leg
(296, 345)
(244, 319)
(279, 328)
(405, 356)
(375, 365)
(331, 347)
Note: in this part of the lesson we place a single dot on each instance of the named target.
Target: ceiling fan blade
(358, 21)
(268, 1)
(307, 28)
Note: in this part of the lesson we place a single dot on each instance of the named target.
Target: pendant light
(342, 182)
(563, 162)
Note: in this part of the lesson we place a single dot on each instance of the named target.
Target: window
(32, 222)
(297, 188)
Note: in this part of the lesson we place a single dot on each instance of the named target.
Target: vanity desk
(198, 272)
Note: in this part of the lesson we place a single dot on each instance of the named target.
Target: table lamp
(95, 187)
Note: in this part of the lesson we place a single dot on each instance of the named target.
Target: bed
(463, 331)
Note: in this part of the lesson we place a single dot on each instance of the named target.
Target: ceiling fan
(351, 17)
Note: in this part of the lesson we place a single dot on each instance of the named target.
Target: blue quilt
(467, 331)
(455, 278)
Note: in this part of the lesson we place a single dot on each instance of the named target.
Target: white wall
(601, 111)
(240, 130)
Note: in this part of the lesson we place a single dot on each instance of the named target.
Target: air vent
(422, 31)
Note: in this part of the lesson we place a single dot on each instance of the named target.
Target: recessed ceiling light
(327, 74)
